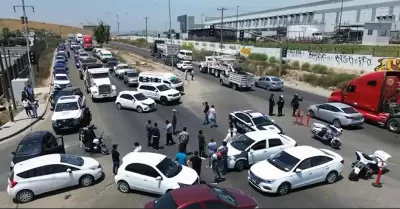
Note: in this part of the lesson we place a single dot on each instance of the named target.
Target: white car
(160, 92)
(253, 147)
(184, 65)
(135, 100)
(294, 168)
(61, 81)
(120, 69)
(68, 113)
(154, 173)
(49, 173)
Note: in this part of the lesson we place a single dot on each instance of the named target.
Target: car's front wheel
(240, 165)
(283, 189)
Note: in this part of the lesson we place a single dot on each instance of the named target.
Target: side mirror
(298, 170)
(273, 121)
(158, 178)
(251, 150)
(156, 90)
(13, 153)
(69, 170)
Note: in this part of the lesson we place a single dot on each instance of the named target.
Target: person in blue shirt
(181, 157)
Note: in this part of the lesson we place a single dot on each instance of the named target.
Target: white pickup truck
(98, 84)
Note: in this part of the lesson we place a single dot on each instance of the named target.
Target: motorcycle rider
(87, 116)
(89, 137)
(295, 103)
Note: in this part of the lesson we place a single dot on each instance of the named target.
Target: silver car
(338, 114)
(131, 77)
(270, 83)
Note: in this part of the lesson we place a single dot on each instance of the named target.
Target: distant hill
(15, 24)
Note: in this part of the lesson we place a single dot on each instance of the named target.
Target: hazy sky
(77, 12)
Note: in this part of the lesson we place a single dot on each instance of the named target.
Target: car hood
(102, 81)
(61, 82)
(243, 199)
(148, 101)
(267, 171)
(65, 114)
(232, 151)
(89, 163)
(274, 128)
(187, 176)
(120, 71)
(170, 91)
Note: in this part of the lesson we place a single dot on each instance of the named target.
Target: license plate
(105, 95)
(356, 170)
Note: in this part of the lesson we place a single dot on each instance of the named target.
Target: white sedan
(294, 168)
(153, 173)
(135, 100)
(49, 173)
(184, 65)
(120, 69)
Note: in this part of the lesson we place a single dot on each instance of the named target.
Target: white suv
(68, 113)
(160, 92)
(61, 81)
(135, 100)
(184, 65)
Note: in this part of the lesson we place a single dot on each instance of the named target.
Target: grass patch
(258, 57)
(141, 42)
(45, 61)
(326, 81)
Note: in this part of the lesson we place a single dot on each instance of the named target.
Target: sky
(132, 12)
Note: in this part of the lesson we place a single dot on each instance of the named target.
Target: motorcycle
(367, 165)
(327, 133)
(98, 142)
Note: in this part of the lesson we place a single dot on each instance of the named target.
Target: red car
(204, 196)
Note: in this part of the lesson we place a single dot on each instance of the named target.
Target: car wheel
(267, 88)
(331, 177)
(336, 123)
(234, 87)
(311, 114)
(164, 101)
(124, 81)
(221, 82)
(86, 180)
(119, 106)
(139, 109)
(25, 196)
(393, 125)
(240, 165)
(283, 189)
(256, 84)
(123, 187)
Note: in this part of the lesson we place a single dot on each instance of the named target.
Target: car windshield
(71, 159)
(283, 161)
(140, 97)
(262, 121)
(61, 93)
(224, 195)
(60, 71)
(66, 106)
(132, 74)
(83, 55)
(349, 110)
(163, 88)
(99, 75)
(275, 79)
(112, 59)
(123, 67)
(241, 142)
(112, 64)
(175, 80)
(28, 148)
(165, 201)
(60, 58)
(169, 168)
(61, 78)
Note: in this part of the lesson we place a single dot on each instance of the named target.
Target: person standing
(231, 133)
(186, 73)
(271, 104)
(195, 163)
(174, 121)
(115, 158)
(183, 140)
(137, 147)
(202, 143)
(206, 108)
(27, 106)
(34, 107)
(31, 94)
(295, 103)
(181, 157)
(192, 74)
(149, 129)
(212, 149)
(168, 128)
(215, 168)
(24, 94)
(212, 116)
(155, 136)
(224, 158)
(280, 103)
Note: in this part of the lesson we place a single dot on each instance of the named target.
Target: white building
(317, 17)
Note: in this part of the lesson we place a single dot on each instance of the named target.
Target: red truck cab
(376, 95)
(87, 43)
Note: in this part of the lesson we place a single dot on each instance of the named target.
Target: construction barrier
(308, 119)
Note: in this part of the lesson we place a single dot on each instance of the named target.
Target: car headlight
(269, 181)
(183, 185)
(170, 95)
(94, 92)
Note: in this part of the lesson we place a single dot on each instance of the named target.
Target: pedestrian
(192, 74)
(155, 136)
(183, 140)
(68, 54)
(215, 168)
(115, 158)
(149, 129)
(212, 149)
(34, 107)
(295, 103)
(87, 116)
(24, 94)
(27, 106)
(212, 116)
(202, 143)
(231, 133)
(195, 162)
(181, 157)
(271, 104)
(206, 108)
(168, 128)
(137, 147)
(186, 73)
(174, 121)
(280, 103)
(31, 94)
(224, 157)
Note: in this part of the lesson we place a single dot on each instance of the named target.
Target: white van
(185, 55)
(166, 78)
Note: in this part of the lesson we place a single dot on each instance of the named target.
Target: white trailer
(167, 49)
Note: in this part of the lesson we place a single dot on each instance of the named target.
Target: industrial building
(186, 23)
(311, 19)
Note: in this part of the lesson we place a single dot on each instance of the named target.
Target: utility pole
(340, 17)
(23, 6)
(237, 17)
(4, 87)
(117, 15)
(222, 9)
(7, 67)
(202, 21)
(170, 33)
(146, 18)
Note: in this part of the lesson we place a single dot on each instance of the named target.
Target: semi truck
(376, 95)
(161, 50)
(87, 43)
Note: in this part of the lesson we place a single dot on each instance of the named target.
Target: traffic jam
(275, 163)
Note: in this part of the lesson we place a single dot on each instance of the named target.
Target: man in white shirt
(138, 148)
(212, 116)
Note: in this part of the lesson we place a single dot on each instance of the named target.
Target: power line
(222, 9)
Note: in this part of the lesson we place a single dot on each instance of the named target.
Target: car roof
(36, 162)
(251, 113)
(34, 137)
(168, 74)
(262, 134)
(338, 105)
(98, 70)
(61, 74)
(122, 64)
(130, 71)
(130, 92)
(196, 193)
(151, 84)
(67, 99)
(69, 89)
(148, 158)
(304, 152)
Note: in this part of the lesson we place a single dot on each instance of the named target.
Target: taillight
(13, 183)
(342, 161)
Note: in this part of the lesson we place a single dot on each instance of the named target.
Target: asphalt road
(125, 127)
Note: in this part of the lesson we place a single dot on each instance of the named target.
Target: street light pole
(202, 21)
(146, 18)
(117, 15)
(340, 16)
(31, 70)
(170, 33)
(237, 16)
(222, 9)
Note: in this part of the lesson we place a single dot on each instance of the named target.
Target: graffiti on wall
(319, 57)
(212, 45)
(390, 64)
(361, 61)
(295, 53)
(245, 51)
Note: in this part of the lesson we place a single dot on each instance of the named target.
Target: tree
(102, 33)
(18, 33)
(168, 31)
(6, 34)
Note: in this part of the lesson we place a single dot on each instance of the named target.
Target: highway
(125, 127)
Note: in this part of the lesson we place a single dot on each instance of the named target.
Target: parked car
(204, 196)
(338, 114)
(61, 81)
(135, 100)
(270, 83)
(131, 77)
(49, 173)
(36, 144)
(294, 168)
(65, 92)
(184, 65)
(120, 69)
(253, 120)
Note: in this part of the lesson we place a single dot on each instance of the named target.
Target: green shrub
(309, 78)
(186, 47)
(259, 57)
(272, 60)
(333, 80)
(320, 69)
(199, 55)
(295, 65)
(306, 67)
